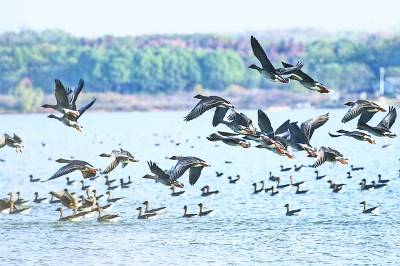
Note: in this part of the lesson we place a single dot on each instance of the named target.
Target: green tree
(27, 97)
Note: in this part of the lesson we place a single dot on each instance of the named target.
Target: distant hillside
(348, 62)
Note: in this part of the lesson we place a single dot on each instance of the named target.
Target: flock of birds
(289, 136)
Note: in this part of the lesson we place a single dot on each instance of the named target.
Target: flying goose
(85, 168)
(231, 141)
(14, 142)
(359, 107)
(358, 135)
(329, 155)
(383, 128)
(116, 157)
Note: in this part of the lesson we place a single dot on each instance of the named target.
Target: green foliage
(27, 97)
(169, 63)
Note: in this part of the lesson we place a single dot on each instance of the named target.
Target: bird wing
(113, 162)
(66, 169)
(321, 158)
(155, 169)
(61, 94)
(219, 115)
(194, 174)
(310, 125)
(389, 119)
(306, 78)
(201, 107)
(17, 138)
(259, 52)
(290, 69)
(283, 128)
(84, 108)
(365, 117)
(353, 112)
(297, 135)
(77, 91)
(240, 119)
(264, 123)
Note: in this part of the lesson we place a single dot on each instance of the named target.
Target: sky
(91, 18)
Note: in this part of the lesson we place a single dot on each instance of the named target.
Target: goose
(382, 181)
(19, 200)
(37, 199)
(349, 176)
(83, 187)
(358, 135)
(14, 142)
(63, 218)
(33, 180)
(229, 140)
(108, 181)
(298, 191)
(142, 215)
(177, 193)
(273, 191)
(66, 199)
(97, 196)
(13, 209)
(354, 168)
(360, 107)
(291, 212)
(298, 168)
(383, 128)
(279, 186)
(113, 200)
(233, 181)
(305, 80)
(272, 177)
(156, 210)
(378, 185)
(122, 184)
(186, 214)
(218, 174)
(239, 123)
(366, 210)
(329, 155)
(206, 191)
(318, 176)
(129, 182)
(285, 169)
(168, 178)
(203, 213)
(256, 191)
(87, 170)
(69, 182)
(117, 157)
(206, 103)
(337, 189)
(106, 217)
(333, 184)
(295, 184)
(267, 69)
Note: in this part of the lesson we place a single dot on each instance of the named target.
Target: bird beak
(343, 160)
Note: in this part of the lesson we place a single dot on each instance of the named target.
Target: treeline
(164, 64)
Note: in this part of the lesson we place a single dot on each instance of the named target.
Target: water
(246, 229)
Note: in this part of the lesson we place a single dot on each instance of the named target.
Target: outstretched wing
(388, 121)
(155, 169)
(219, 115)
(365, 117)
(111, 165)
(203, 106)
(61, 94)
(194, 174)
(77, 91)
(258, 51)
(321, 158)
(310, 125)
(264, 123)
(84, 108)
(69, 168)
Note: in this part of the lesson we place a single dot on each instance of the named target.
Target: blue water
(246, 229)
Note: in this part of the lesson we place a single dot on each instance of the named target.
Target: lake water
(246, 229)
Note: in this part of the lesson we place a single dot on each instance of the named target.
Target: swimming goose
(272, 177)
(318, 176)
(298, 168)
(232, 141)
(258, 190)
(156, 210)
(14, 142)
(291, 212)
(67, 199)
(142, 215)
(116, 157)
(298, 191)
(19, 200)
(285, 169)
(233, 181)
(87, 170)
(358, 135)
(83, 187)
(110, 199)
(123, 184)
(382, 181)
(278, 185)
(218, 174)
(208, 102)
(203, 213)
(273, 191)
(176, 193)
(37, 199)
(206, 191)
(295, 184)
(354, 168)
(268, 70)
(338, 189)
(69, 182)
(329, 155)
(94, 191)
(63, 218)
(360, 107)
(332, 184)
(193, 164)
(188, 215)
(383, 128)
(108, 181)
(106, 217)
(12, 207)
(239, 123)
(305, 80)
(364, 185)
(373, 210)
(33, 180)
(378, 185)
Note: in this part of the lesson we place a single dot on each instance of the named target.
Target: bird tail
(214, 137)
(333, 135)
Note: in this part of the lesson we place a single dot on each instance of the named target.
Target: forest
(157, 64)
